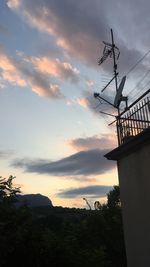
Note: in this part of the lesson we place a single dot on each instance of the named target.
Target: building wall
(134, 179)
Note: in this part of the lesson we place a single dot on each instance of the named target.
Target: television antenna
(112, 51)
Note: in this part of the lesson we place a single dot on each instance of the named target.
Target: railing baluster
(135, 120)
(144, 113)
(138, 119)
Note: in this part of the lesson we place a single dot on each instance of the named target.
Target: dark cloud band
(90, 191)
(82, 163)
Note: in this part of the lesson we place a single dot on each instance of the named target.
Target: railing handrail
(137, 100)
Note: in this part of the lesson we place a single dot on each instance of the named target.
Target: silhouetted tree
(113, 197)
(56, 236)
(7, 190)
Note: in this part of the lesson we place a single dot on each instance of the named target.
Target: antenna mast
(114, 59)
(112, 51)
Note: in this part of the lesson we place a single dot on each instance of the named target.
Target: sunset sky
(52, 136)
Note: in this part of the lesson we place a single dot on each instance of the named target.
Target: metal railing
(135, 119)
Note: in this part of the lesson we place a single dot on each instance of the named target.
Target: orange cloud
(83, 102)
(14, 4)
(10, 72)
(89, 83)
(56, 68)
(37, 72)
(45, 17)
(53, 90)
(24, 73)
(13, 78)
(6, 63)
(79, 46)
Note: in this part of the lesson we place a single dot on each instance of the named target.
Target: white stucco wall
(134, 179)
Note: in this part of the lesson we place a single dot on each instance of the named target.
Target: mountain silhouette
(33, 200)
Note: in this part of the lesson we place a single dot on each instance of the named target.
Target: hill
(33, 200)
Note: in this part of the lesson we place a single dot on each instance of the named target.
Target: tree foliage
(56, 236)
(113, 198)
(7, 190)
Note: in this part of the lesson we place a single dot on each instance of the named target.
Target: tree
(97, 205)
(113, 197)
(7, 190)
(61, 236)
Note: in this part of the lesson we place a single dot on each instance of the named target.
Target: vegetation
(56, 236)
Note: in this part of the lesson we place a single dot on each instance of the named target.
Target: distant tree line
(56, 236)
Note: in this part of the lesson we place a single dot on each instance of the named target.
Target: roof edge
(132, 144)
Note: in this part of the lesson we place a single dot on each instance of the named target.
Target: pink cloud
(105, 141)
(71, 34)
(56, 68)
(6, 63)
(80, 28)
(23, 73)
(37, 72)
(53, 91)
(89, 83)
(14, 78)
(10, 73)
(14, 4)
(83, 102)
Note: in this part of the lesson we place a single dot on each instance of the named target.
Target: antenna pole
(114, 59)
(115, 72)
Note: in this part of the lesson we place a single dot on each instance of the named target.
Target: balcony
(134, 120)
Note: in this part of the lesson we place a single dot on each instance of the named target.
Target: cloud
(79, 28)
(94, 191)
(13, 3)
(41, 83)
(56, 68)
(10, 70)
(14, 78)
(105, 141)
(89, 83)
(22, 74)
(4, 154)
(37, 72)
(83, 178)
(87, 100)
(67, 22)
(82, 163)
(94, 105)
(83, 102)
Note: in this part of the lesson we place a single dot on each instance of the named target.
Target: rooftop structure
(133, 163)
(134, 120)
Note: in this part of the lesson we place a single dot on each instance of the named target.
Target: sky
(53, 137)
